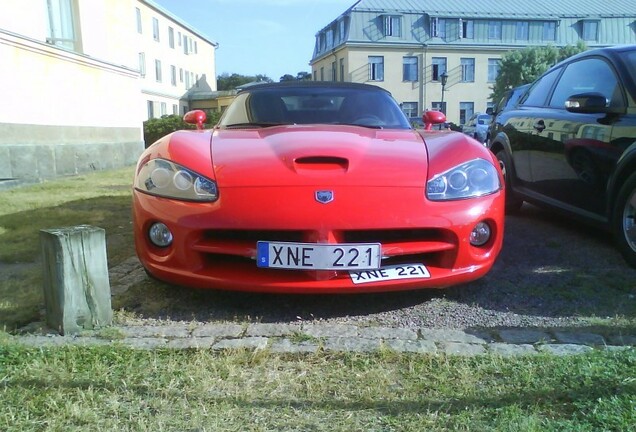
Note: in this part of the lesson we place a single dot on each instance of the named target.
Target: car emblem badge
(324, 196)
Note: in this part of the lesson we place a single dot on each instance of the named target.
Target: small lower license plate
(318, 256)
(403, 271)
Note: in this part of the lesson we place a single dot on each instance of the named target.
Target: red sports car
(317, 188)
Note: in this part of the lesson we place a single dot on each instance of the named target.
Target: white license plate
(318, 256)
(404, 271)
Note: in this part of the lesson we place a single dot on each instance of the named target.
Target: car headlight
(475, 178)
(167, 179)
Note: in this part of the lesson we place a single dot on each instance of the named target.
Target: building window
(61, 24)
(329, 38)
(522, 30)
(376, 68)
(171, 37)
(549, 30)
(466, 110)
(142, 64)
(438, 67)
(322, 74)
(409, 69)
(179, 38)
(493, 69)
(438, 27)
(590, 30)
(196, 49)
(342, 69)
(187, 80)
(158, 70)
(173, 75)
(410, 109)
(151, 109)
(438, 106)
(468, 69)
(138, 11)
(494, 29)
(180, 74)
(392, 25)
(333, 71)
(164, 109)
(466, 29)
(341, 30)
(155, 29)
(175, 109)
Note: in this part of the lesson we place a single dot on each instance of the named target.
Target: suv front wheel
(625, 220)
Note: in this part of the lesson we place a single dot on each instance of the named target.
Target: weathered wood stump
(76, 285)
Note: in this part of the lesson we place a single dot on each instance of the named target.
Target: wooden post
(76, 286)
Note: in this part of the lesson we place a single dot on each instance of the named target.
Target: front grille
(430, 246)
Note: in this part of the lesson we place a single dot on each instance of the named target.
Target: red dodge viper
(317, 188)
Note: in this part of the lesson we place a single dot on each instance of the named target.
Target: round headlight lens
(182, 180)
(160, 235)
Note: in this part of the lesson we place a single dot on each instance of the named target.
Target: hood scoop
(318, 164)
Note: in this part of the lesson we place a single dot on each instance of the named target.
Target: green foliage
(225, 81)
(159, 127)
(156, 128)
(524, 66)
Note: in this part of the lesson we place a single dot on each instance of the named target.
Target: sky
(267, 37)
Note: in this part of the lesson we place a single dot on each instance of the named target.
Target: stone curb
(312, 338)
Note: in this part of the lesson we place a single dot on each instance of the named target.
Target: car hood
(313, 156)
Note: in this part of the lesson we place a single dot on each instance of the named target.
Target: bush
(156, 128)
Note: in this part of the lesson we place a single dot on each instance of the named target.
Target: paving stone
(194, 343)
(169, 331)
(460, 336)
(524, 336)
(565, 349)
(508, 350)
(272, 330)
(287, 346)
(329, 330)
(622, 340)
(252, 343)
(143, 342)
(219, 331)
(579, 338)
(462, 349)
(411, 346)
(351, 344)
(386, 333)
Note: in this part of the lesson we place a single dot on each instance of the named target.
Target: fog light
(480, 235)
(160, 235)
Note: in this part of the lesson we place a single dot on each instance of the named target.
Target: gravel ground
(552, 272)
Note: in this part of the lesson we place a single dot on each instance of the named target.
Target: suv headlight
(167, 179)
(472, 179)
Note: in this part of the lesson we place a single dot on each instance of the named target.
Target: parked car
(477, 126)
(317, 187)
(570, 143)
(509, 100)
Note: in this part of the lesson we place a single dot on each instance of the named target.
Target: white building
(74, 95)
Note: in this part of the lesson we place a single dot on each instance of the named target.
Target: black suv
(570, 142)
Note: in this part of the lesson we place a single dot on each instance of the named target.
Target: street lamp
(444, 79)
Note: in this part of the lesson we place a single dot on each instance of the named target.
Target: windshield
(282, 105)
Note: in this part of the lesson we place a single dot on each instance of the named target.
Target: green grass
(117, 388)
(101, 199)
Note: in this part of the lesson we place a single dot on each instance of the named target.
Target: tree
(303, 76)
(226, 81)
(524, 66)
(287, 77)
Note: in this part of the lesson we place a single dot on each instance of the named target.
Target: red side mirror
(432, 117)
(196, 117)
